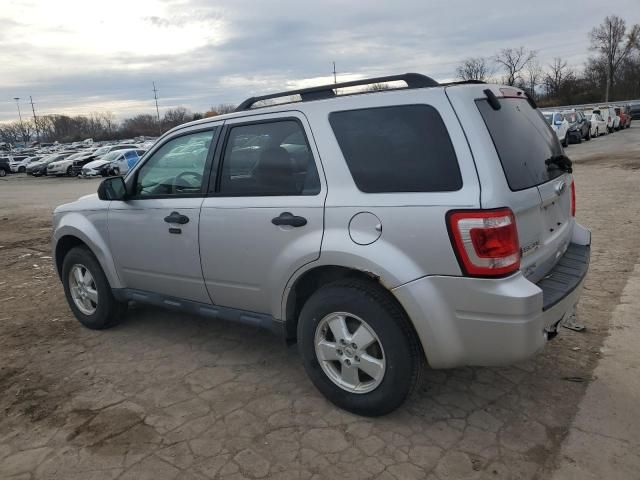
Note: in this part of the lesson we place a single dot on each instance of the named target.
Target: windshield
(109, 157)
(524, 142)
(102, 150)
(571, 117)
(549, 118)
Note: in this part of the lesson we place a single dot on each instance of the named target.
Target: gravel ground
(166, 395)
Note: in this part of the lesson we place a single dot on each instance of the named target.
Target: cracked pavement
(171, 396)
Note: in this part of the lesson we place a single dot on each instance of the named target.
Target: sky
(82, 56)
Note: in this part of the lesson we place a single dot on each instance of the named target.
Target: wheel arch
(80, 232)
(308, 282)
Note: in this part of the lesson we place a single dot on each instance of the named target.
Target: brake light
(573, 198)
(485, 241)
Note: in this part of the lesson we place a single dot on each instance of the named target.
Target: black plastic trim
(565, 277)
(245, 317)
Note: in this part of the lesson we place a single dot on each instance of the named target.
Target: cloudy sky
(79, 56)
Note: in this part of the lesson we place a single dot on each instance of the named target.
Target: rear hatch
(538, 184)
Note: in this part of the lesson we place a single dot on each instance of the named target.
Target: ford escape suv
(425, 224)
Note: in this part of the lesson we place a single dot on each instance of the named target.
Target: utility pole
(335, 79)
(17, 99)
(35, 119)
(155, 95)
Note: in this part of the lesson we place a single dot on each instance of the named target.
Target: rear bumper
(477, 321)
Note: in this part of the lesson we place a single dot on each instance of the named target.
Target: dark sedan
(579, 126)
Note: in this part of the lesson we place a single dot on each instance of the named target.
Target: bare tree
(513, 61)
(614, 45)
(559, 73)
(474, 68)
(533, 77)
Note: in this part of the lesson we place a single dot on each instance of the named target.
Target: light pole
(17, 99)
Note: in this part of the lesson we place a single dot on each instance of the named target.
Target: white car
(126, 160)
(598, 125)
(559, 125)
(117, 162)
(16, 163)
(608, 114)
(64, 166)
(95, 168)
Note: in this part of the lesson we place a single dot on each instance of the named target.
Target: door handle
(287, 218)
(176, 217)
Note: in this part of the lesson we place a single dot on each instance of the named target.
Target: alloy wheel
(349, 352)
(83, 289)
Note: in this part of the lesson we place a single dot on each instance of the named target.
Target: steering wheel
(177, 187)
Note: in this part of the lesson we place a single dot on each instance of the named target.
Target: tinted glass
(271, 158)
(523, 141)
(397, 149)
(177, 168)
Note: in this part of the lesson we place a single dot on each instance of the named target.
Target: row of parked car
(577, 124)
(87, 161)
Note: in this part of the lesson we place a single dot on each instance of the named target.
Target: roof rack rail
(464, 82)
(413, 80)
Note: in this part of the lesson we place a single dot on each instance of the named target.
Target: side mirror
(112, 188)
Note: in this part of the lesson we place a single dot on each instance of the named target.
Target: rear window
(523, 140)
(397, 149)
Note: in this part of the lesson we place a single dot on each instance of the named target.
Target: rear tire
(3, 172)
(395, 351)
(69, 171)
(588, 135)
(105, 311)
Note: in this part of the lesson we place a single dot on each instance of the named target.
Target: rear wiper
(561, 161)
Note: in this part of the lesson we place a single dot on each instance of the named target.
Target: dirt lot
(166, 395)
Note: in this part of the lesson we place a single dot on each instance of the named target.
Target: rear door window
(523, 141)
(404, 148)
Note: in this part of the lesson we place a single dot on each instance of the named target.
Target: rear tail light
(485, 241)
(573, 198)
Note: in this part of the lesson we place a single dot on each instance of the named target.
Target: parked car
(39, 168)
(65, 166)
(97, 168)
(126, 160)
(559, 125)
(625, 119)
(598, 125)
(579, 126)
(14, 160)
(634, 110)
(5, 169)
(609, 116)
(397, 250)
(21, 166)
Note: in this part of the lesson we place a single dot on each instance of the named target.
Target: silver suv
(381, 230)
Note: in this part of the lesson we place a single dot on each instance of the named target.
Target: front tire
(3, 172)
(359, 348)
(88, 291)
